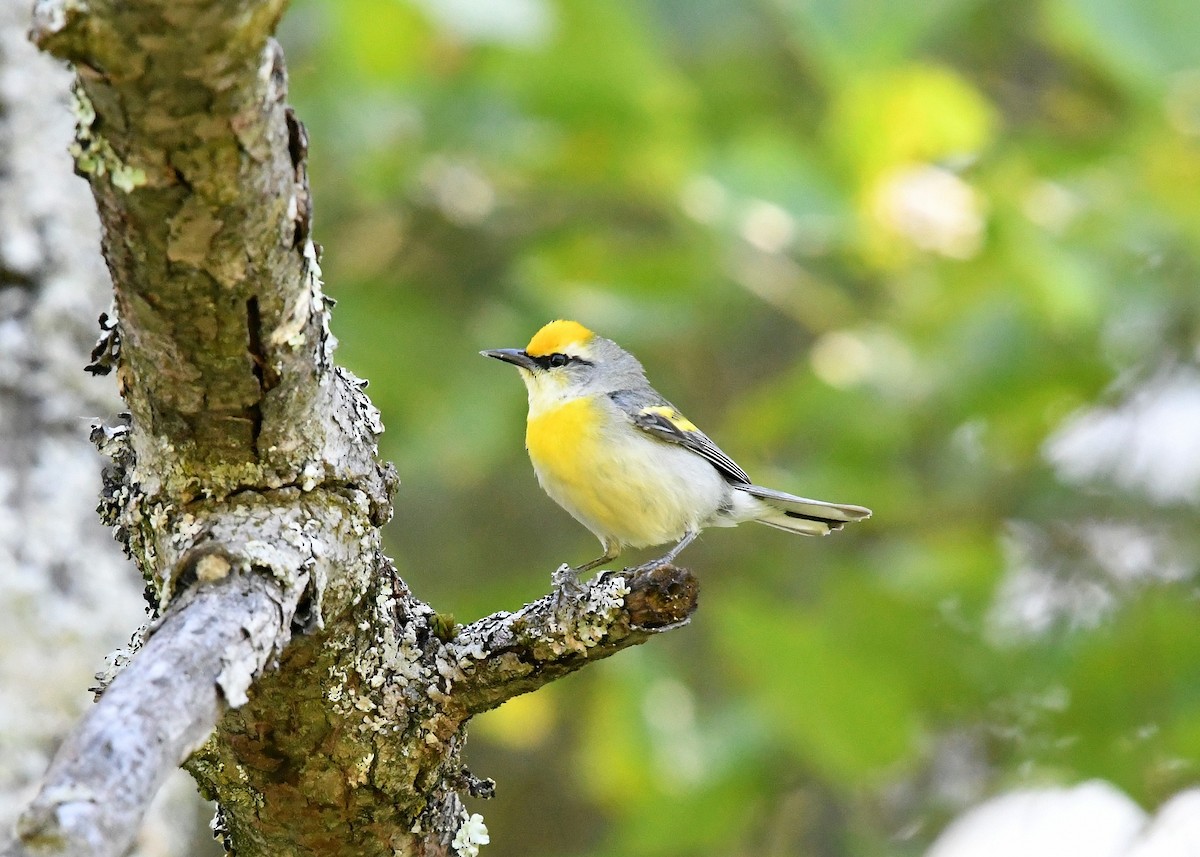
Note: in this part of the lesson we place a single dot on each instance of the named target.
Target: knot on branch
(661, 597)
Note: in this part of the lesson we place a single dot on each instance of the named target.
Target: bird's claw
(567, 585)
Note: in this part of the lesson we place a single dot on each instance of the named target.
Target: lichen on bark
(328, 703)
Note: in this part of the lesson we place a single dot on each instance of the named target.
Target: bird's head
(565, 360)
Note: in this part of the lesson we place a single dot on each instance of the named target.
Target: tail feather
(802, 515)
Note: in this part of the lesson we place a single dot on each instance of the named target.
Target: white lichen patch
(583, 625)
(362, 769)
(447, 668)
(471, 834)
(385, 674)
(159, 516)
(474, 650)
(311, 476)
(186, 529)
(264, 554)
(93, 154)
(607, 599)
(116, 661)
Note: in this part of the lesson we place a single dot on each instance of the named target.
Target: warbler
(608, 448)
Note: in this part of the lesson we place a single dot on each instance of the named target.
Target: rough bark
(153, 716)
(247, 489)
(353, 745)
(69, 595)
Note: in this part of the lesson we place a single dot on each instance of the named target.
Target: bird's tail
(801, 515)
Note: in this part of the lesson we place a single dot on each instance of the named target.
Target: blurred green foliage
(881, 252)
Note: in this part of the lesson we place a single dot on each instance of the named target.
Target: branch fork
(311, 694)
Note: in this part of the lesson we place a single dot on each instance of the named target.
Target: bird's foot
(567, 585)
(652, 565)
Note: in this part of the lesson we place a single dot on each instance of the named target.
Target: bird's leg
(669, 556)
(611, 552)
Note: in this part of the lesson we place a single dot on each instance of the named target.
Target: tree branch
(247, 489)
(507, 654)
(151, 718)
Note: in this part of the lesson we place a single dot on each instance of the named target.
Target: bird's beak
(515, 356)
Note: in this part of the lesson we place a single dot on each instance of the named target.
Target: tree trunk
(310, 693)
(69, 595)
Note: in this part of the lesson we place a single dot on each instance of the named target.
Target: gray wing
(658, 417)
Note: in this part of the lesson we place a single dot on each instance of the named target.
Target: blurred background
(939, 259)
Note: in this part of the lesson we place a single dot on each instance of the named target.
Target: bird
(624, 462)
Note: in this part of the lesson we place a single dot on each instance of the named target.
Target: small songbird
(626, 463)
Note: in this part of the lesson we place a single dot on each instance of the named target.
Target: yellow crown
(556, 336)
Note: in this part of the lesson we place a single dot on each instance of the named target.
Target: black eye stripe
(557, 359)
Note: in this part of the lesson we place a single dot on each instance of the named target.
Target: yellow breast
(562, 443)
(623, 486)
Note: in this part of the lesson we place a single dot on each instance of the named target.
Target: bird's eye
(559, 360)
